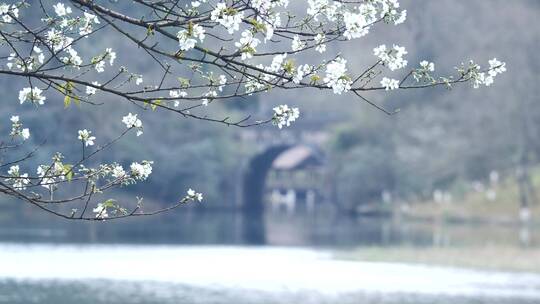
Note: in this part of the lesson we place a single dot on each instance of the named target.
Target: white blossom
(356, 25)
(111, 55)
(50, 175)
(100, 66)
(177, 94)
(193, 195)
(188, 39)
(73, 58)
(481, 78)
(17, 128)
(131, 121)
(301, 72)
(247, 44)
(336, 76)
(284, 116)
(118, 172)
(33, 95)
(92, 90)
(6, 9)
(101, 211)
(141, 171)
(86, 138)
(392, 58)
(25, 133)
(319, 41)
(496, 67)
(87, 21)
(389, 84)
(61, 10)
(227, 17)
(18, 180)
(57, 40)
(297, 44)
(138, 79)
(210, 95)
(222, 82)
(428, 66)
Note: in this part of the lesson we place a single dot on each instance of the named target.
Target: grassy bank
(468, 204)
(483, 258)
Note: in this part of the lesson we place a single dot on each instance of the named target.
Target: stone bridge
(261, 147)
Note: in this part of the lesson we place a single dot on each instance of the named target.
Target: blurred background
(453, 180)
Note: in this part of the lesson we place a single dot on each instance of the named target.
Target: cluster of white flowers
(317, 8)
(101, 211)
(301, 72)
(100, 61)
(7, 10)
(336, 76)
(496, 67)
(319, 41)
(222, 82)
(284, 115)
(390, 12)
(424, 72)
(228, 17)
(73, 59)
(277, 63)
(51, 175)
(247, 44)
(86, 138)
(138, 79)
(254, 85)
(87, 22)
(141, 171)
(177, 94)
(392, 58)
(389, 84)
(17, 128)
(118, 172)
(18, 180)
(61, 10)
(57, 41)
(356, 25)
(473, 72)
(358, 20)
(428, 66)
(193, 195)
(26, 64)
(92, 90)
(209, 96)
(32, 94)
(131, 121)
(297, 44)
(188, 38)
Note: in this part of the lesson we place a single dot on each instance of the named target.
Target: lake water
(203, 258)
(49, 273)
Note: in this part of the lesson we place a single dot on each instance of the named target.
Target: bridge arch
(253, 189)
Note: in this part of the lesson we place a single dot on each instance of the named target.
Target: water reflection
(317, 229)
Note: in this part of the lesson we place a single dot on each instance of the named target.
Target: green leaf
(155, 104)
(67, 101)
(68, 172)
(110, 203)
(67, 89)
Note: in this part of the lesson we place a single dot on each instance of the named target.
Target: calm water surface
(47, 273)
